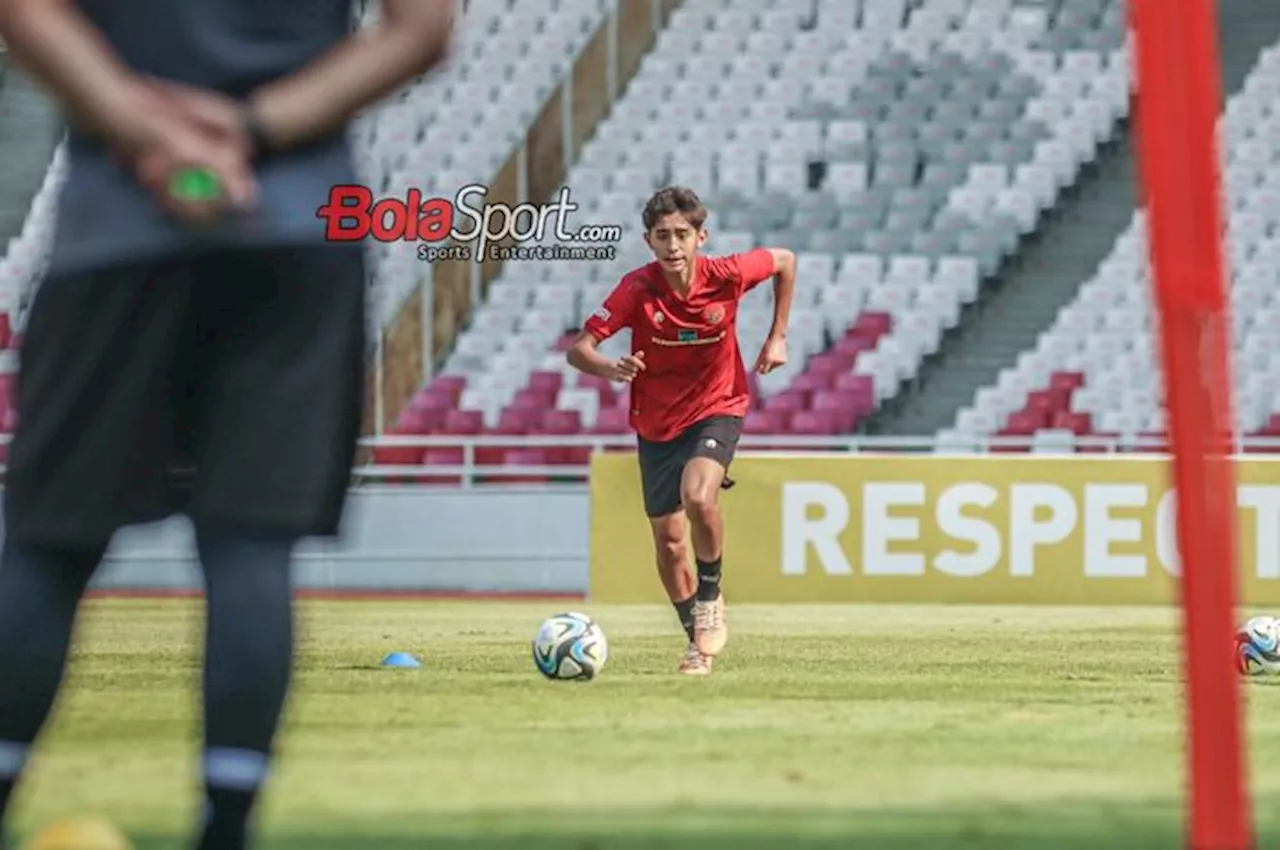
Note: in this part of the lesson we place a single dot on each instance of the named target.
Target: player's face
(675, 241)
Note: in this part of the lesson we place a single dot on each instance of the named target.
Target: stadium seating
(900, 148)
(452, 129)
(1096, 370)
(459, 126)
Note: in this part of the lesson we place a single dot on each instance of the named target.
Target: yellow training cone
(79, 834)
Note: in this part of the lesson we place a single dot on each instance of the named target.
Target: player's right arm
(617, 313)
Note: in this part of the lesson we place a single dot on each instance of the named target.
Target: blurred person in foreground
(218, 335)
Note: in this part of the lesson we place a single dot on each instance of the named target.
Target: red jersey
(693, 368)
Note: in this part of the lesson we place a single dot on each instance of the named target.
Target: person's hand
(180, 127)
(772, 355)
(625, 369)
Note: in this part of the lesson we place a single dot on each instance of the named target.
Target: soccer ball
(1258, 646)
(570, 646)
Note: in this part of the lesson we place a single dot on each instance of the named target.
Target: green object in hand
(195, 184)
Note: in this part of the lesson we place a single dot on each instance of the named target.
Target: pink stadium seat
(532, 399)
(561, 422)
(565, 342)
(861, 389)
(442, 456)
(812, 382)
(6, 331)
(1040, 402)
(840, 406)
(765, 422)
(1070, 381)
(1077, 423)
(515, 420)
(463, 422)
(564, 423)
(547, 382)
(1272, 428)
(873, 324)
(1026, 422)
(421, 421)
(831, 362)
(435, 399)
(610, 420)
(813, 422)
(397, 456)
(787, 401)
(853, 345)
(520, 457)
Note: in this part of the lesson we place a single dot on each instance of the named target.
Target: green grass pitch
(885, 727)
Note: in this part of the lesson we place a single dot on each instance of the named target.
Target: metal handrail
(469, 473)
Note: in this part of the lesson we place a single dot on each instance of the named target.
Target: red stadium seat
(831, 363)
(1070, 381)
(516, 420)
(421, 421)
(520, 457)
(563, 423)
(787, 401)
(767, 422)
(813, 423)
(840, 405)
(860, 388)
(435, 399)
(463, 422)
(611, 421)
(1077, 423)
(812, 382)
(873, 324)
(534, 399)
(545, 382)
(442, 456)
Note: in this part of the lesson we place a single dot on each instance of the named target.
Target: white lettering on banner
(879, 529)
(1266, 503)
(1027, 531)
(1167, 534)
(1101, 529)
(953, 523)
(823, 532)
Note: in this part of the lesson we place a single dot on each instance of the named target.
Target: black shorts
(227, 387)
(662, 464)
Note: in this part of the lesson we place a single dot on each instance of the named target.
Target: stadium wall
(876, 528)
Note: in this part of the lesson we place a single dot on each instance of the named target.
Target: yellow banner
(981, 529)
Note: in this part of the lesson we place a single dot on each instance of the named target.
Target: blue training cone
(402, 660)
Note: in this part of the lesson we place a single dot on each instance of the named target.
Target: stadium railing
(470, 473)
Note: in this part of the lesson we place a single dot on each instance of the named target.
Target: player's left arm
(780, 264)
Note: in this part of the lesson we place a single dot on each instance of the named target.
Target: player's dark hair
(675, 199)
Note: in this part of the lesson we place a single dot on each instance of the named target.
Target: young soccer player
(218, 335)
(689, 394)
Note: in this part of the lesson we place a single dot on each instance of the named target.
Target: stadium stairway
(1022, 299)
(1050, 266)
(30, 126)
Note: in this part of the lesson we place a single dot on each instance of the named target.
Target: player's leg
(280, 373)
(660, 469)
(702, 479)
(40, 592)
(246, 672)
(88, 455)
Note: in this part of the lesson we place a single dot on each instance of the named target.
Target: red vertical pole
(1178, 106)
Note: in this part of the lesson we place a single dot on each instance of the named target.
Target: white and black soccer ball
(1258, 646)
(570, 646)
